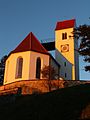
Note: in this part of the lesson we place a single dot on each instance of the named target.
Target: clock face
(65, 48)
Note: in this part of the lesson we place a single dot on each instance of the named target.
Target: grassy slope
(63, 104)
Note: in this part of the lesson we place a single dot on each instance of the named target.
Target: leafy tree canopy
(48, 72)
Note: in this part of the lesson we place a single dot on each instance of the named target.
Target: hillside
(70, 103)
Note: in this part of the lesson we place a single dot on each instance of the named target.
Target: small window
(19, 67)
(64, 36)
(65, 64)
(65, 75)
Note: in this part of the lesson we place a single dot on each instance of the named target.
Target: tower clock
(65, 48)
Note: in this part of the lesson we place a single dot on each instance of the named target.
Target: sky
(20, 17)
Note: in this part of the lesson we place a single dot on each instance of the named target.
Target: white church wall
(33, 57)
(29, 66)
(10, 67)
(56, 66)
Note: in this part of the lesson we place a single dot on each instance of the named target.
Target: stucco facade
(29, 65)
(26, 61)
(66, 52)
(10, 67)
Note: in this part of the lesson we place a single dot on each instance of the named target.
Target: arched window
(38, 67)
(19, 67)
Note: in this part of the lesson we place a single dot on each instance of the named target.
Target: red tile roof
(30, 43)
(65, 24)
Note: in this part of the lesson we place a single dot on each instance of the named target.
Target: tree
(48, 72)
(82, 33)
(2, 68)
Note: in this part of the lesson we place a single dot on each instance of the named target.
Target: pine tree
(82, 33)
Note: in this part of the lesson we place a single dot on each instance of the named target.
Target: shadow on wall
(65, 66)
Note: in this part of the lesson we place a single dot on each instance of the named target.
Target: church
(30, 56)
(26, 61)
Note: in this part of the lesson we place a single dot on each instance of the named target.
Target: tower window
(64, 36)
(19, 67)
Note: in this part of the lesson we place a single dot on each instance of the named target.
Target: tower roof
(65, 24)
(30, 43)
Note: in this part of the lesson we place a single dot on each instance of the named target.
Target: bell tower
(66, 50)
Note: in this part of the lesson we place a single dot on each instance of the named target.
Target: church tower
(66, 50)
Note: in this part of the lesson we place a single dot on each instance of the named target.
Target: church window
(38, 67)
(19, 67)
(64, 36)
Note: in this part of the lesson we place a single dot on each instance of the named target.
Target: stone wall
(37, 86)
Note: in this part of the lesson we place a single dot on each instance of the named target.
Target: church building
(26, 61)
(29, 57)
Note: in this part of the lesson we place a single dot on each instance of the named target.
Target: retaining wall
(37, 86)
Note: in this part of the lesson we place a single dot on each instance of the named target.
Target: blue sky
(19, 17)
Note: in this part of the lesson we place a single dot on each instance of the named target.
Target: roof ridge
(30, 39)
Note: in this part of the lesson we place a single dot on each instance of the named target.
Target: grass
(62, 104)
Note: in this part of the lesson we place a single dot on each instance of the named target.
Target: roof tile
(30, 43)
(65, 24)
